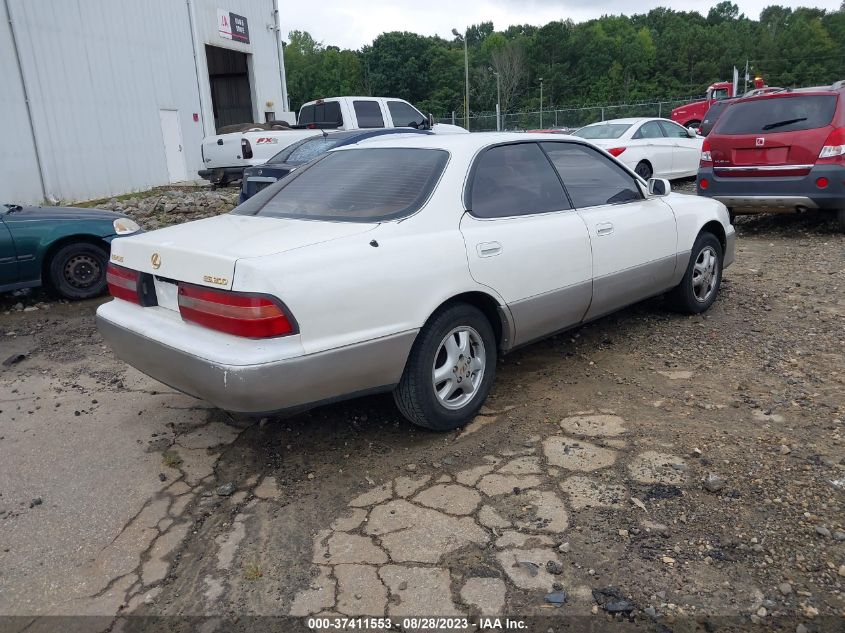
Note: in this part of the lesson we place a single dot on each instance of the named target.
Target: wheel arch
(715, 227)
(498, 316)
(63, 241)
(647, 162)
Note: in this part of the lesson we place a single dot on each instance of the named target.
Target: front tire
(700, 285)
(78, 271)
(450, 370)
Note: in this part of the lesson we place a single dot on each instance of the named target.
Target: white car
(407, 265)
(657, 148)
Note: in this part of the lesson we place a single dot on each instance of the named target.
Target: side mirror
(430, 121)
(693, 133)
(659, 187)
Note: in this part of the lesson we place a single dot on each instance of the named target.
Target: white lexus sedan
(651, 147)
(406, 265)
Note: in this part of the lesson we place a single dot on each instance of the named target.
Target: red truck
(692, 114)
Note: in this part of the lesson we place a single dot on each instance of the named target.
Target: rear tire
(700, 285)
(644, 170)
(450, 370)
(78, 271)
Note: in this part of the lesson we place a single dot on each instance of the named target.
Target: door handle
(605, 228)
(488, 249)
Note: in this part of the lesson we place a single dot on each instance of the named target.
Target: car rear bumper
(291, 383)
(778, 193)
(218, 174)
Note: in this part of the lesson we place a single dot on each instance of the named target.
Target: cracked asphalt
(691, 466)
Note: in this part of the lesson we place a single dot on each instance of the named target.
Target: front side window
(602, 130)
(514, 180)
(405, 115)
(649, 129)
(357, 185)
(673, 130)
(368, 114)
(719, 93)
(591, 178)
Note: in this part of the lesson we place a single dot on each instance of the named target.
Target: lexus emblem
(155, 260)
(760, 141)
(260, 172)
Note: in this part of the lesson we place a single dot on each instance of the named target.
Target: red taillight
(615, 151)
(241, 314)
(706, 156)
(123, 283)
(822, 182)
(834, 146)
(246, 148)
(704, 183)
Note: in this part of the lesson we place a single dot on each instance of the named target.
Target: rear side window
(405, 115)
(514, 180)
(788, 113)
(357, 185)
(368, 114)
(321, 113)
(591, 178)
(651, 129)
(712, 116)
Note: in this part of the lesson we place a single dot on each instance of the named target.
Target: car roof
(466, 144)
(628, 120)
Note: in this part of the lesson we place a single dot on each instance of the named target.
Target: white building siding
(97, 73)
(18, 165)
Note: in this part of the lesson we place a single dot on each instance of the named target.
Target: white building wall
(265, 77)
(97, 73)
(19, 179)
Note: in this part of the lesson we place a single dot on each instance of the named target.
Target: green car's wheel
(78, 271)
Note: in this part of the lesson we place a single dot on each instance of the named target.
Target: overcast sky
(353, 23)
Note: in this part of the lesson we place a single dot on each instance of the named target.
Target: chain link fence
(567, 117)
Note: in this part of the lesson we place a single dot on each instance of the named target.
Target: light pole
(541, 103)
(466, 74)
(498, 100)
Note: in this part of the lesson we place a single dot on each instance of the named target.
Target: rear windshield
(602, 130)
(358, 185)
(320, 113)
(777, 114)
(305, 151)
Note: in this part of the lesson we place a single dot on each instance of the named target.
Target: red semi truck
(692, 114)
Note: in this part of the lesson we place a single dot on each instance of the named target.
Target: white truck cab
(226, 155)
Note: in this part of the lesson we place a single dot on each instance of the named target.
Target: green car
(63, 248)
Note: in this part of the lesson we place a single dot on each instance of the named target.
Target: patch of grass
(171, 459)
(252, 572)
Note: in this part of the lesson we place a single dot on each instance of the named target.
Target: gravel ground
(649, 466)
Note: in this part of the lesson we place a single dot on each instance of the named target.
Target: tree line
(613, 59)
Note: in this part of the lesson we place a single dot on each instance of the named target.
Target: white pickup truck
(226, 155)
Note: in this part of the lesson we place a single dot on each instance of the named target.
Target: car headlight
(125, 226)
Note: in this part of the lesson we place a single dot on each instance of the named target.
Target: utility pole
(498, 100)
(541, 103)
(466, 72)
(745, 84)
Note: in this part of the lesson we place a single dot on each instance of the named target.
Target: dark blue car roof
(353, 136)
(346, 137)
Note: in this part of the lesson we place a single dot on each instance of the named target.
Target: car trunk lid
(205, 252)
